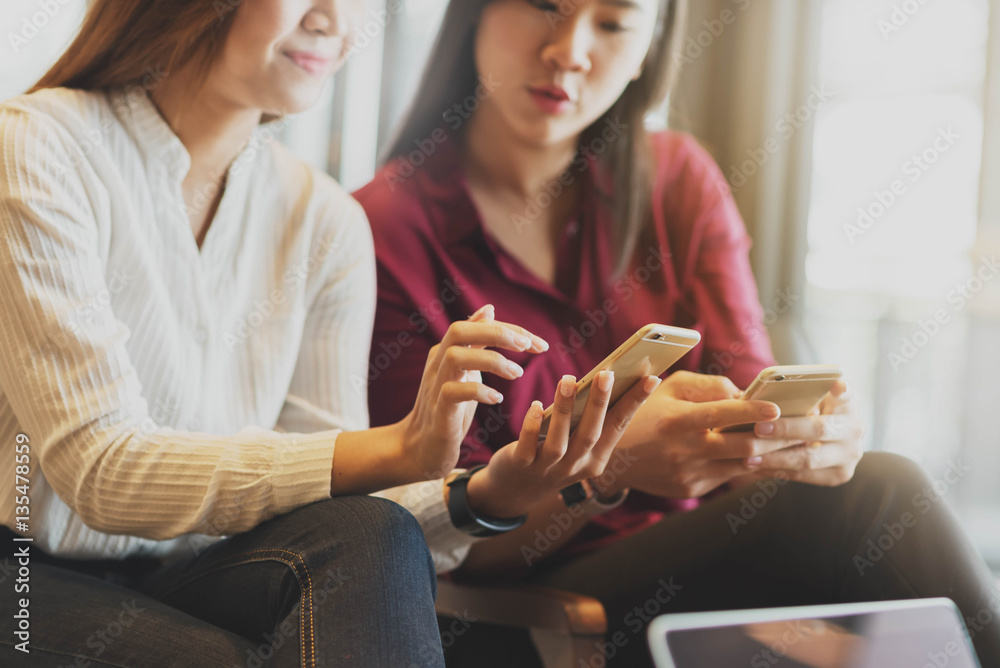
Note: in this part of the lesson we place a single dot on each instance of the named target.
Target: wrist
(609, 485)
(370, 460)
(404, 465)
(487, 499)
(408, 461)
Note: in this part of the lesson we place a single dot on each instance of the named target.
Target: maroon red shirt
(437, 263)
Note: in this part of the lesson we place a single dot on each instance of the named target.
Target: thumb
(527, 443)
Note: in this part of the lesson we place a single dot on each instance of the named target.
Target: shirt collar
(150, 131)
(153, 135)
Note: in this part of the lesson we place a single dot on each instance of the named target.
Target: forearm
(370, 460)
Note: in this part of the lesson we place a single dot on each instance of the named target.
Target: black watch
(576, 493)
(465, 518)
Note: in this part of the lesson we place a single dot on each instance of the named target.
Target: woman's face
(279, 53)
(556, 67)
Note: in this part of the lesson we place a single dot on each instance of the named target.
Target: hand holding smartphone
(649, 352)
(796, 389)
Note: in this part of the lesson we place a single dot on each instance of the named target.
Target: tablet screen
(911, 638)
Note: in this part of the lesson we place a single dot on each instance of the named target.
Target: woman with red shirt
(524, 178)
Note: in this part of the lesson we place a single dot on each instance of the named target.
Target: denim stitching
(306, 594)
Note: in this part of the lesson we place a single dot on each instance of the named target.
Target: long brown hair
(124, 41)
(450, 76)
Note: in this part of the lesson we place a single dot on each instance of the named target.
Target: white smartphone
(649, 352)
(797, 389)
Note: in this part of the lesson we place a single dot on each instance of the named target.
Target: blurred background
(861, 139)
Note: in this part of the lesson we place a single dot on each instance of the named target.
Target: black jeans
(887, 534)
(342, 582)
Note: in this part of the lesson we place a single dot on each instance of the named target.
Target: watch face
(574, 494)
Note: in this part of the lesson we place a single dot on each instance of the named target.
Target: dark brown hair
(124, 41)
(450, 76)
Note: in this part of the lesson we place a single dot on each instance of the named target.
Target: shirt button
(573, 228)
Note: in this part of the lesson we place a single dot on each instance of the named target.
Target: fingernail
(755, 461)
(542, 343)
(567, 385)
(523, 342)
(765, 428)
(536, 410)
(496, 396)
(606, 380)
(479, 311)
(652, 382)
(515, 368)
(769, 412)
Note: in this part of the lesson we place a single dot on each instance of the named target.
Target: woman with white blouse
(184, 336)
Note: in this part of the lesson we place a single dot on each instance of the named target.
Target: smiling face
(560, 65)
(279, 53)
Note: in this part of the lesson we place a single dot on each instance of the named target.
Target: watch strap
(466, 519)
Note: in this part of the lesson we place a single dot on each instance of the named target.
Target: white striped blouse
(172, 395)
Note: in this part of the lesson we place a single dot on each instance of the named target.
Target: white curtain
(863, 302)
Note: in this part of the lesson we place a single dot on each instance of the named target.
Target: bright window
(898, 282)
